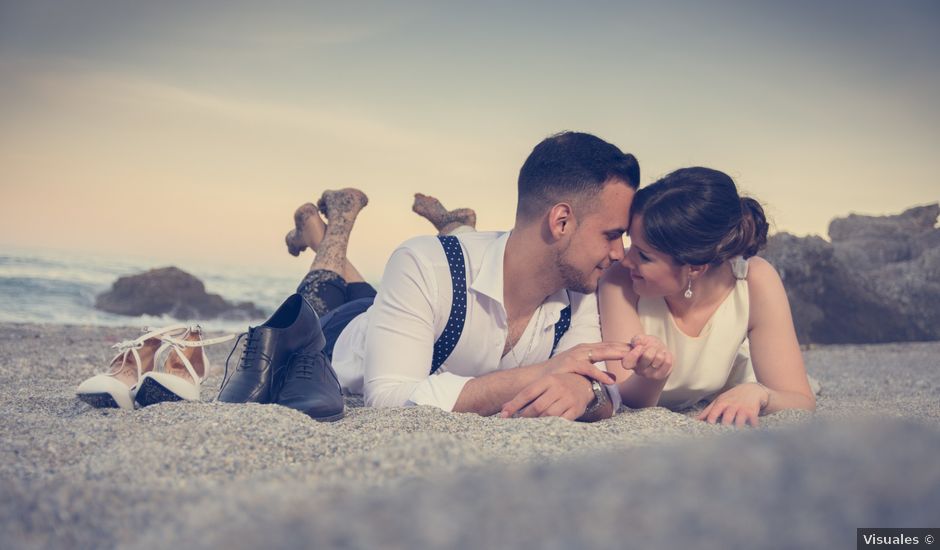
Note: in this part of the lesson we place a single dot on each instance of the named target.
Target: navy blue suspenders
(446, 343)
(562, 326)
(458, 310)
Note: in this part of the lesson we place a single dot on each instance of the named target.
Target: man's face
(597, 241)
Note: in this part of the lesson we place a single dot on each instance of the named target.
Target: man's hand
(563, 394)
(565, 388)
(581, 358)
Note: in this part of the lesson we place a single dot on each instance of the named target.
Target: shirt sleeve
(585, 322)
(400, 339)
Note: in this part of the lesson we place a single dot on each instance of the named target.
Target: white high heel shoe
(185, 367)
(117, 388)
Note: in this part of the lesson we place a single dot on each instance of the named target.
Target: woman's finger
(633, 357)
(755, 422)
(716, 412)
(727, 418)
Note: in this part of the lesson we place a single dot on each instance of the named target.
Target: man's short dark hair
(571, 166)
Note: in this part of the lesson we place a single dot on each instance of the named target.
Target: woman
(692, 294)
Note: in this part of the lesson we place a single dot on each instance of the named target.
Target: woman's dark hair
(696, 216)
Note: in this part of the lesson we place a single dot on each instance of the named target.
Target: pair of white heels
(133, 377)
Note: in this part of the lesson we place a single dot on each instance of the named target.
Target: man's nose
(617, 251)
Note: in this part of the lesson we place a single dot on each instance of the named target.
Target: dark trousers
(335, 301)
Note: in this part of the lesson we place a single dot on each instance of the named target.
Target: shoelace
(304, 365)
(249, 354)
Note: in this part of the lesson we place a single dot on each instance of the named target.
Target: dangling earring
(688, 291)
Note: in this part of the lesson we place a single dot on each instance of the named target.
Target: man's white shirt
(386, 352)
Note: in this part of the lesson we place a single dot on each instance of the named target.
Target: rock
(877, 281)
(170, 291)
(869, 242)
(830, 304)
(898, 258)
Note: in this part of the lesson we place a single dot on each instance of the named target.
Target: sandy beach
(243, 476)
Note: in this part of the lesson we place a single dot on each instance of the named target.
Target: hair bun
(752, 230)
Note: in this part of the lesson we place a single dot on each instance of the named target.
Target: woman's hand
(739, 406)
(653, 360)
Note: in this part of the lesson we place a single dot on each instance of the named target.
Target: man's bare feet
(343, 203)
(341, 208)
(431, 209)
(308, 231)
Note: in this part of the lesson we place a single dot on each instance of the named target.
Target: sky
(181, 132)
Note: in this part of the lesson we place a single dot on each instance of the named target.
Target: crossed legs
(333, 280)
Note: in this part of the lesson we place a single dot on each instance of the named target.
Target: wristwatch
(600, 397)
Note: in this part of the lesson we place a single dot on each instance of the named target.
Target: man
(467, 321)
(574, 197)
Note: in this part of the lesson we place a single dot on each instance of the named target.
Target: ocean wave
(46, 288)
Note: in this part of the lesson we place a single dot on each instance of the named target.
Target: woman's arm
(775, 351)
(775, 354)
(620, 322)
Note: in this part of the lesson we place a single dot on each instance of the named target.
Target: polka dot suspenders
(447, 341)
(458, 310)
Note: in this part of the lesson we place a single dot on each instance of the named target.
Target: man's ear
(561, 220)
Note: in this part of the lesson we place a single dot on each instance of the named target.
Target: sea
(41, 286)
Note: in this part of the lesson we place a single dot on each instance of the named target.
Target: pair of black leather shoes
(284, 363)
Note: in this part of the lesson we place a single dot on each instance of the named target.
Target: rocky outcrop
(170, 291)
(878, 280)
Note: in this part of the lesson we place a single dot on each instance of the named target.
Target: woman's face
(653, 273)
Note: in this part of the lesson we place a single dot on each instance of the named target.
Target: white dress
(715, 360)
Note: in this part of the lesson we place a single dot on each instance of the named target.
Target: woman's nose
(627, 261)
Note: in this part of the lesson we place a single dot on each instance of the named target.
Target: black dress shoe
(292, 328)
(311, 386)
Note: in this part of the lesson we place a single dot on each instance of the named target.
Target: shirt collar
(489, 281)
(552, 306)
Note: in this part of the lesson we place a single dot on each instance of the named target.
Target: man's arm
(574, 368)
(487, 394)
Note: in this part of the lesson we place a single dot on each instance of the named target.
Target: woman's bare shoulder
(762, 273)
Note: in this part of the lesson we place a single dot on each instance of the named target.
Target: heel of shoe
(159, 387)
(103, 391)
(100, 400)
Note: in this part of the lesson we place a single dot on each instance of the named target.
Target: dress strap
(739, 267)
